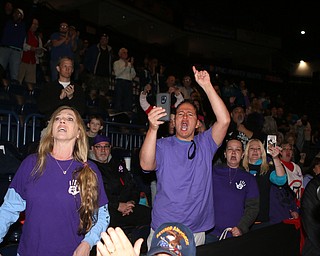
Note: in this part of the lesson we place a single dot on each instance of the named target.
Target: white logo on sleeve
(73, 187)
(241, 184)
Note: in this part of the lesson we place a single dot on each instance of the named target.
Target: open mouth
(62, 129)
(184, 126)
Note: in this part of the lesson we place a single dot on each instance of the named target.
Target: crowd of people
(215, 172)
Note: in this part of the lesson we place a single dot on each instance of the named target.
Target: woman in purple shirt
(61, 193)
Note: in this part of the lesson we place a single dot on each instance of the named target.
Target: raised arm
(220, 127)
(148, 149)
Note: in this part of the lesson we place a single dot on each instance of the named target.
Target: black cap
(233, 107)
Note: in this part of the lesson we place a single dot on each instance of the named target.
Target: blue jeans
(12, 58)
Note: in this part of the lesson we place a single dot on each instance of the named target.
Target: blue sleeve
(10, 210)
(93, 236)
(278, 180)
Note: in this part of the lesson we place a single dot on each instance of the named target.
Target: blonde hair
(264, 165)
(86, 177)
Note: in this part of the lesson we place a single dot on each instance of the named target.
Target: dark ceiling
(282, 19)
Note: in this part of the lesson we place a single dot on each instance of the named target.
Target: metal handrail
(33, 117)
(11, 115)
(127, 136)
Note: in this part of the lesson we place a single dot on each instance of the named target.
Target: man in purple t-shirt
(183, 163)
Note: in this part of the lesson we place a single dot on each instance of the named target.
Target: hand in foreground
(83, 249)
(116, 243)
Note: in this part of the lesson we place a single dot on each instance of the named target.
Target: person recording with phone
(168, 128)
(62, 91)
(124, 71)
(183, 163)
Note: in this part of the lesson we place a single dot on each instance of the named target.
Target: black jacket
(49, 99)
(118, 182)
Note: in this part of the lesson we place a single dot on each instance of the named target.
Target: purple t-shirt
(184, 186)
(52, 202)
(231, 187)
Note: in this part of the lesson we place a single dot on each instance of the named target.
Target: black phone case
(164, 101)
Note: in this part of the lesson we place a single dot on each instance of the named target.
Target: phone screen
(271, 141)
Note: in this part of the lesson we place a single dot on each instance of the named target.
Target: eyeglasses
(105, 147)
(63, 26)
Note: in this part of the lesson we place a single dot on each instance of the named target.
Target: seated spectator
(121, 189)
(236, 195)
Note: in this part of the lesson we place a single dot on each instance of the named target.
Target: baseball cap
(101, 138)
(174, 239)
(233, 107)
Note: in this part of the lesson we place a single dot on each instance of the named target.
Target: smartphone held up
(271, 142)
(164, 101)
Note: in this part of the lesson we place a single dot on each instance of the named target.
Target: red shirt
(30, 56)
